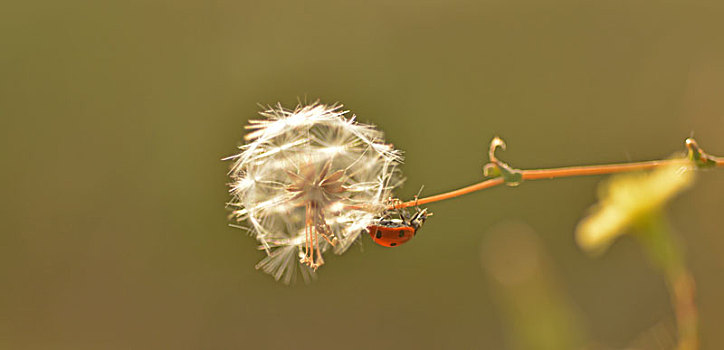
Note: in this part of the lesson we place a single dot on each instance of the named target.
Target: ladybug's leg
(402, 214)
(385, 215)
(394, 202)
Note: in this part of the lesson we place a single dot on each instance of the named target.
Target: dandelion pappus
(296, 172)
(389, 232)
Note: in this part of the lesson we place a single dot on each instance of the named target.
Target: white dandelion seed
(309, 180)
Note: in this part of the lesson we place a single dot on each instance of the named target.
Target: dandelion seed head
(309, 168)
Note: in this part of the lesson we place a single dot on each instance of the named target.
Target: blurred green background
(115, 115)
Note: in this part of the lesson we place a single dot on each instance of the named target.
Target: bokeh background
(114, 116)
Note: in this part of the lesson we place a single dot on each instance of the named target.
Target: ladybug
(393, 232)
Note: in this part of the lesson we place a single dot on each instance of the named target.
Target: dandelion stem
(553, 173)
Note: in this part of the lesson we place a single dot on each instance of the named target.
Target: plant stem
(682, 289)
(553, 173)
(665, 251)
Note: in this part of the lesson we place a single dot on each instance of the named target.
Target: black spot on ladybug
(393, 244)
(402, 233)
(379, 234)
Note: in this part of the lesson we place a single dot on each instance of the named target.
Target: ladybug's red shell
(390, 236)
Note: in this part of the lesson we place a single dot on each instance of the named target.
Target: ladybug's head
(419, 218)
